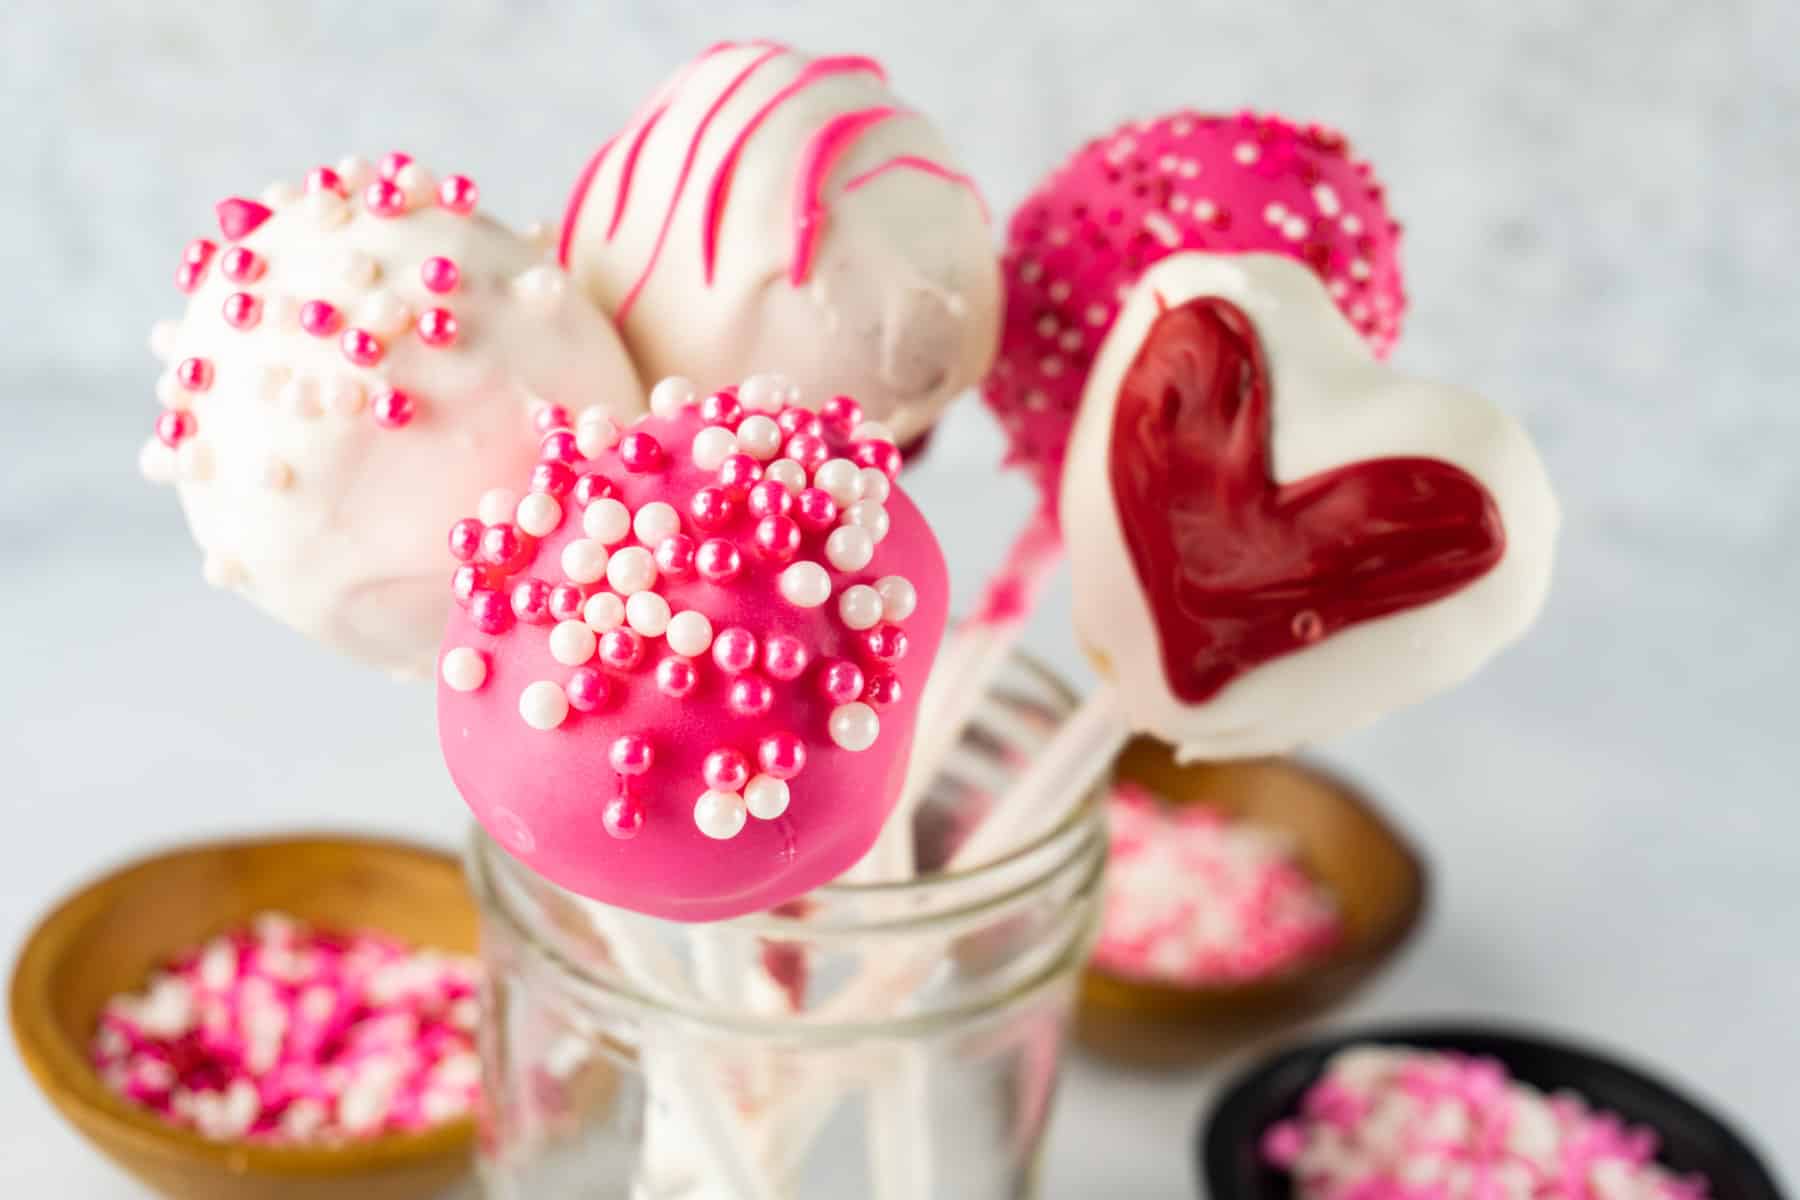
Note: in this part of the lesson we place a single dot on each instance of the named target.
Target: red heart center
(1240, 569)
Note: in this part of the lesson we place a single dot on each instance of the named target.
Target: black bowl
(1693, 1140)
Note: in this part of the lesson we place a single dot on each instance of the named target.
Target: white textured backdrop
(1602, 232)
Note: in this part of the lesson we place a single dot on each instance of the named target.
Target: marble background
(1601, 206)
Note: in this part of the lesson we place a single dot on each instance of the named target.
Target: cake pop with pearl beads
(766, 209)
(360, 358)
(688, 687)
(1185, 181)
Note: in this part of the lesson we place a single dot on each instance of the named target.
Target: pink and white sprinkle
(1392, 1123)
(285, 1033)
(1197, 899)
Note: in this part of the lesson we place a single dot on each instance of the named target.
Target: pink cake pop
(1185, 181)
(359, 360)
(684, 680)
(765, 207)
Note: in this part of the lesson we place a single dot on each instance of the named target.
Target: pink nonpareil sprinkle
(1390, 1123)
(284, 1033)
(1197, 899)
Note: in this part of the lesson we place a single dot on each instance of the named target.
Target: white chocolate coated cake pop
(765, 210)
(1276, 539)
(360, 360)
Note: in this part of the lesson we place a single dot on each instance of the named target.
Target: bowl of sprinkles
(1434, 1112)
(1241, 897)
(280, 1018)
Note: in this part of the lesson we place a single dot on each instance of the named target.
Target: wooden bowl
(106, 939)
(1692, 1138)
(1377, 878)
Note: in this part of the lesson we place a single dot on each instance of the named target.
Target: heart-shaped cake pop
(1275, 538)
(682, 679)
(360, 360)
(764, 207)
(1182, 182)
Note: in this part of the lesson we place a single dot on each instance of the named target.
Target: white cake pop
(1276, 539)
(766, 210)
(358, 362)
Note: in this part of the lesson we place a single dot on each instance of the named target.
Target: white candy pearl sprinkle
(595, 435)
(572, 643)
(712, 446)
(603, 611)
(869, 515)
(840, 479)
(631, 570)
(384, 315)
(689, 633)
(418, 184)
(655, 521)
(759, 436)
(648, 614)
(606, 520)
(720, 815)
(860, 606)
(850, 548)
(672, 395)
(854, 726)
(355, 171)
(898, 597)
(464, 669)
(763, 393)
(544, 705)
(584, 560)
(875, 484)
(542, 285)
(497, 506)
(788, 473)
(157, 462)
(766, 797)
(539, 514)
(805, 584)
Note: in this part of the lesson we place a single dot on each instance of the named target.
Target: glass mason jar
(890, 1040)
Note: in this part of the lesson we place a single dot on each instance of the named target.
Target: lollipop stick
(973, 655)
(1078, 755)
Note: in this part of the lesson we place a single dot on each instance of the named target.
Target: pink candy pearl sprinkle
(465, 538)
(361, 347)
(458, 194)
(815, 510)
(777, 538)
(531, 603)
(324, 179)
(841, 681)
(785, 657)
(440, 275)
(491, 612)
(384, 199)
(675, 556)
(565, 601)
(718, 560)
(437, 327)
(194, 374)
(640, 452)
(559, 446)
(393, 408)
(750, 696)
(725, 770)
(592, 487)
(722, 408)
(711, 508)
(631, 754)
(676, 676)
(319, 318)
(552, 477)
(623, 817)
(734, 649)
(770, 499)
(392, 163)
(241, 265)
(621, 649)
(738, 473)
(782, 755)
(842, 413)
(588, 690)
(242, 310)
(175, 427)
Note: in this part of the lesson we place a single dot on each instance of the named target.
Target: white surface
(1601, 234)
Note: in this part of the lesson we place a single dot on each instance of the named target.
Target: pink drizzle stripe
(687, 164)
(585, 180)
(719, 191)
(827, 145)
(912, 162)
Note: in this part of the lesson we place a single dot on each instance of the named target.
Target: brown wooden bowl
(1377, 877)
(109, 936)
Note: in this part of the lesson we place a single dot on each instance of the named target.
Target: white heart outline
(1330, 404)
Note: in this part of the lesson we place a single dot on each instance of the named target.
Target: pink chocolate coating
(604, 800)
(1185, 181)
